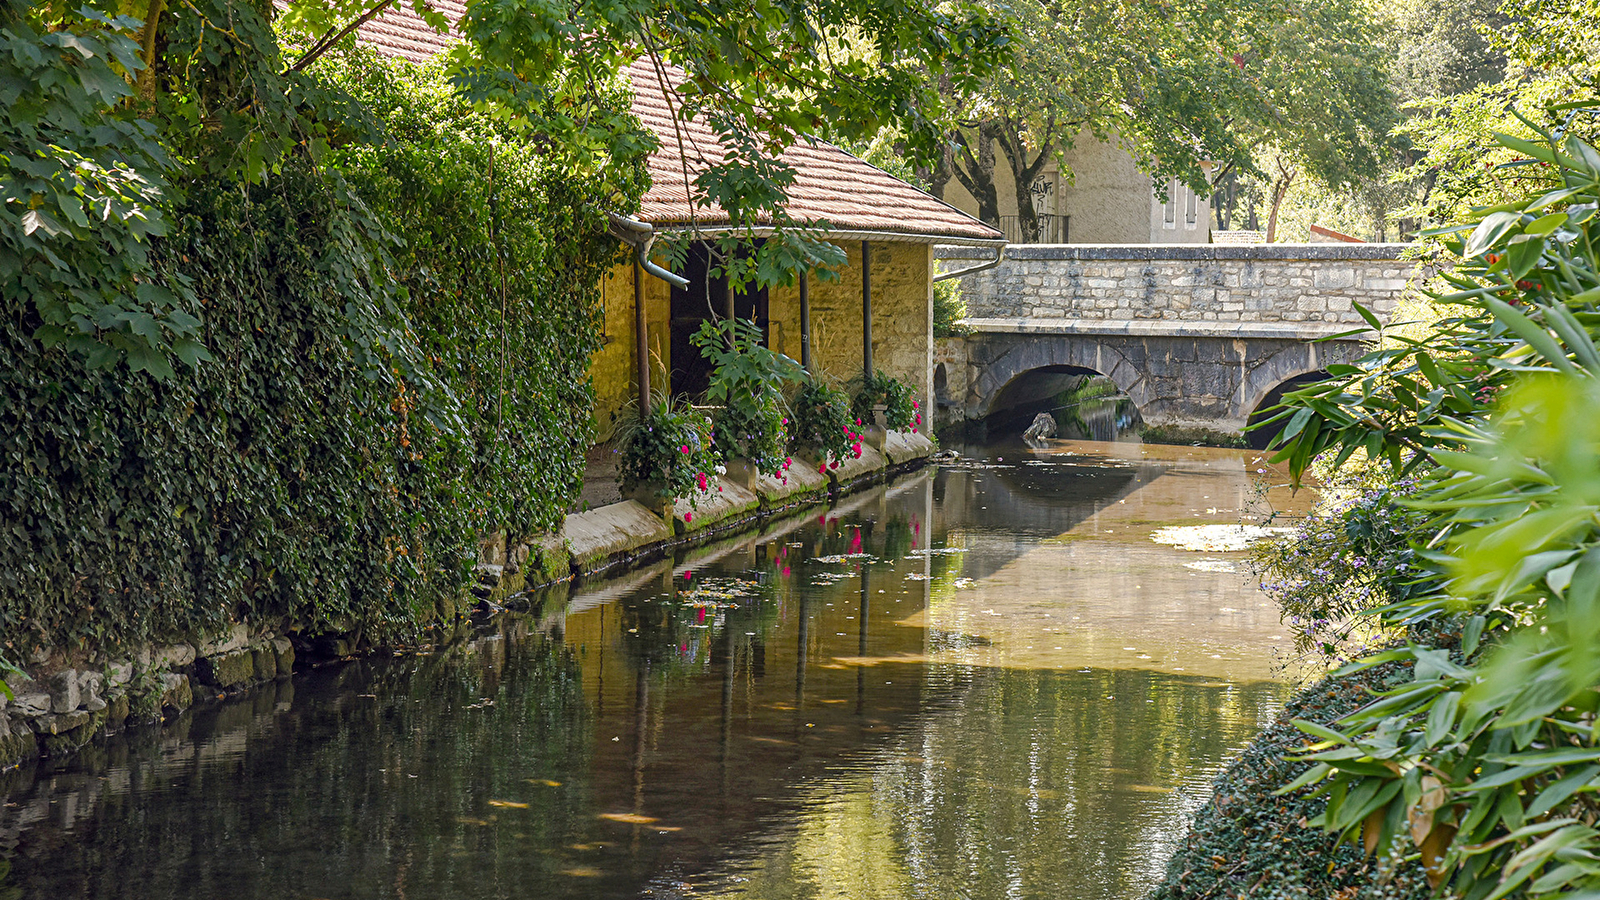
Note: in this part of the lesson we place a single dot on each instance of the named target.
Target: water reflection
(921, 692)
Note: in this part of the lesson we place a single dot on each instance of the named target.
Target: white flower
(722, 470)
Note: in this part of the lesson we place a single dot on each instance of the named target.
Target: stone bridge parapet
(1248, 284)
(1198, 335)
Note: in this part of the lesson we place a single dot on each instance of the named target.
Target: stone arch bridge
(1194, 335)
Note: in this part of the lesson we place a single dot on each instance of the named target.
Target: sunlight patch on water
(1214, 538)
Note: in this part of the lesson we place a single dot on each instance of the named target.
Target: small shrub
(748, 384)
(900, 411)
(824, 422)
(1342, 561)
(948, 309)
(671, 445)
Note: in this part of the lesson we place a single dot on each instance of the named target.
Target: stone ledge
(904, 446)
(1184, 252)
(802, 480)
(1166, 328)
(726, 501)
(595, 536)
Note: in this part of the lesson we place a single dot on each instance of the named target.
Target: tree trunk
(976, 171)
(1280, 190)
(1023, 173)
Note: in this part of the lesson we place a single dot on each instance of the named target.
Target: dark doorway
(703, 299)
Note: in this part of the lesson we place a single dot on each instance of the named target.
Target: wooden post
(866, 311)
(805, 322)
(641, 339)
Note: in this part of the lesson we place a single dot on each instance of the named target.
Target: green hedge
(400, 364)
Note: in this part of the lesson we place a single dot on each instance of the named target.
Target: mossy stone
(264, 663)
(226, 670)
(17, 748)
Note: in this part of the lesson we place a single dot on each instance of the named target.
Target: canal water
(983, 680)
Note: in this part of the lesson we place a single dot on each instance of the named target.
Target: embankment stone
(597, 536)
(226, 670)
(727, 501)
(800, 481)
(904, 446)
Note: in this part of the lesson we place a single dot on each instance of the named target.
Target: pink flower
(858, 423)
(684, 448)
(687, 518)
(913, 404)
(688, 574)
(786, 571)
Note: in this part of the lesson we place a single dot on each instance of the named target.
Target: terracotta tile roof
(830, 185)
(399, 31)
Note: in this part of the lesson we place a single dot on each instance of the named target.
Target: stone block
(118, 674)
(173, 656)
(263, 662)
(1325, 277)
(594, 537)
(226, 670)
(1384, 284)
(61, 723)
(724, 502)
(234, 637)
(176, 692)
(283, 650)
(851, 469)
(64, 693)
(34, 703)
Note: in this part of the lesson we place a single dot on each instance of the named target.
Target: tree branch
(328, 40)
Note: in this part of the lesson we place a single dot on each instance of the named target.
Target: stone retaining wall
(1287, 283)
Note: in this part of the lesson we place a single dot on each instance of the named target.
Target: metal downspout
(999, 257)
(639, 236)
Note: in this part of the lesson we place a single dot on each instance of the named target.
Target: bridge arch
(1008, 371)
(1261, 409)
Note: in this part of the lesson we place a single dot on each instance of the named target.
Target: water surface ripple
(980, 681)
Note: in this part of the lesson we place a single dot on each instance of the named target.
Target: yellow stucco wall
(902, 326)
(613, 366)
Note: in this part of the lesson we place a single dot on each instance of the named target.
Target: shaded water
(979, 681)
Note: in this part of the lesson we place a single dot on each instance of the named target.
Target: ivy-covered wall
(400, 337)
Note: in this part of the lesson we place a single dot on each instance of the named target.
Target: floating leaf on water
(508, 804)
(628, 818)
(544, 781)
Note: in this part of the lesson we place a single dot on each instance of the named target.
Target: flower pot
(742, 472)
(651, 495)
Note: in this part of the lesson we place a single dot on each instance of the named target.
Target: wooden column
(866, 311)
(805, 322)
(641, 339)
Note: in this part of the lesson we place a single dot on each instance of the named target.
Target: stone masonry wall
(1282, 283)
(902, 317)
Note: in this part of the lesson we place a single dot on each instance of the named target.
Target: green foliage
(402, 337)
(948, 308)
(1342, 562)
(273, 484)
(824, 422)
(1551, 58)
(82, 182)
(1487, 758)
(1248, 840)
(748, 384)
(499, 257)
(670, 448)
(900, 412)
